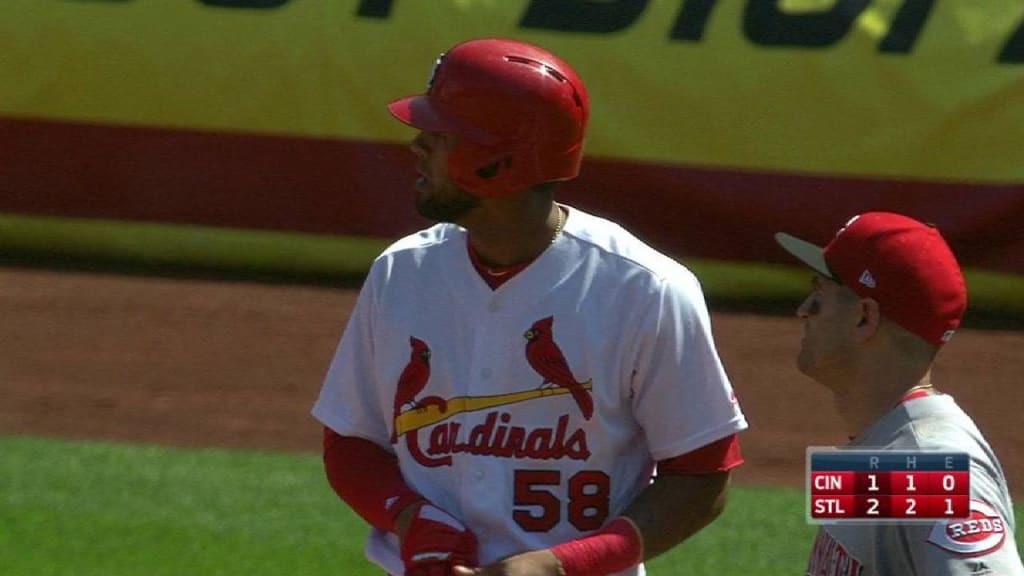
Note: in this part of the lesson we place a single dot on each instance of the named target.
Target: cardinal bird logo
(412, 381)
(547, 360)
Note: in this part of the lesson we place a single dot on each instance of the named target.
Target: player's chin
(805, 362)
(425, 197)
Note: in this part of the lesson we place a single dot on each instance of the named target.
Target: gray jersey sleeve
(983, 543)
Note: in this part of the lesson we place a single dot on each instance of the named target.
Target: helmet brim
(417, 111)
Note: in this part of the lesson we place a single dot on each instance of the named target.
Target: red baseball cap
(901, 263)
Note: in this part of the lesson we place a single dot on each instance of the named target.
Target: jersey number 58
(538, 507)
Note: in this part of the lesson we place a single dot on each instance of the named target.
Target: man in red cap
(887, 295)
(511, 377)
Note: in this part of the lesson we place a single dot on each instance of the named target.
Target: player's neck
(504, 238)
(876, 392)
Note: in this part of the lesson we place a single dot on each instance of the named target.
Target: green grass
(109, 509)
(996, 300)
(762, 531)
(91, 508)
(103, 509)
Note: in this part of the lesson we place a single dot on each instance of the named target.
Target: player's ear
(870, 319)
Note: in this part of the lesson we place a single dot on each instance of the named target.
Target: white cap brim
(813, 256)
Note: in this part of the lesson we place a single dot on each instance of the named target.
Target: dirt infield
(200, 363)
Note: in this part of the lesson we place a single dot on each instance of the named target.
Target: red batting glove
(435, 542)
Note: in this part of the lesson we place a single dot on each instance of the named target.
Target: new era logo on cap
(867, 279)
(901, 263)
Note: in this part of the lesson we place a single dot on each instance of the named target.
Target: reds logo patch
(981, 532)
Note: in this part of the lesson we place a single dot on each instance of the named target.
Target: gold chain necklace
(493, 272)
(559, 225)
(906, 395)
(918, 387)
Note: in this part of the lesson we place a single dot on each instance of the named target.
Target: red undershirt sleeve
(367, 478)
(719, 456)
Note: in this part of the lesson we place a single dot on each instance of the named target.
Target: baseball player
(888, 294)
(511, 377)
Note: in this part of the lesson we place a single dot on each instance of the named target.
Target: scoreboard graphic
(886, 485)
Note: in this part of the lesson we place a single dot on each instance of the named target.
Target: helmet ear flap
(488, 172)
(491, 170)
(484, 170)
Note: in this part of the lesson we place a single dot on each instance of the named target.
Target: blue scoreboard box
(886, 485)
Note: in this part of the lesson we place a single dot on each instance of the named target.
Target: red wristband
(615, 547)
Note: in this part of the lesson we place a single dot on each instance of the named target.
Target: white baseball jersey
(534, 412)
(980, 545)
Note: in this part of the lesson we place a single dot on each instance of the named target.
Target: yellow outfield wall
(883, 88)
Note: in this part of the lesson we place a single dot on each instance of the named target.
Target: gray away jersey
(980, 545)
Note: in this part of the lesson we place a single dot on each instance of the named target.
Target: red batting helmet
(520, 113)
